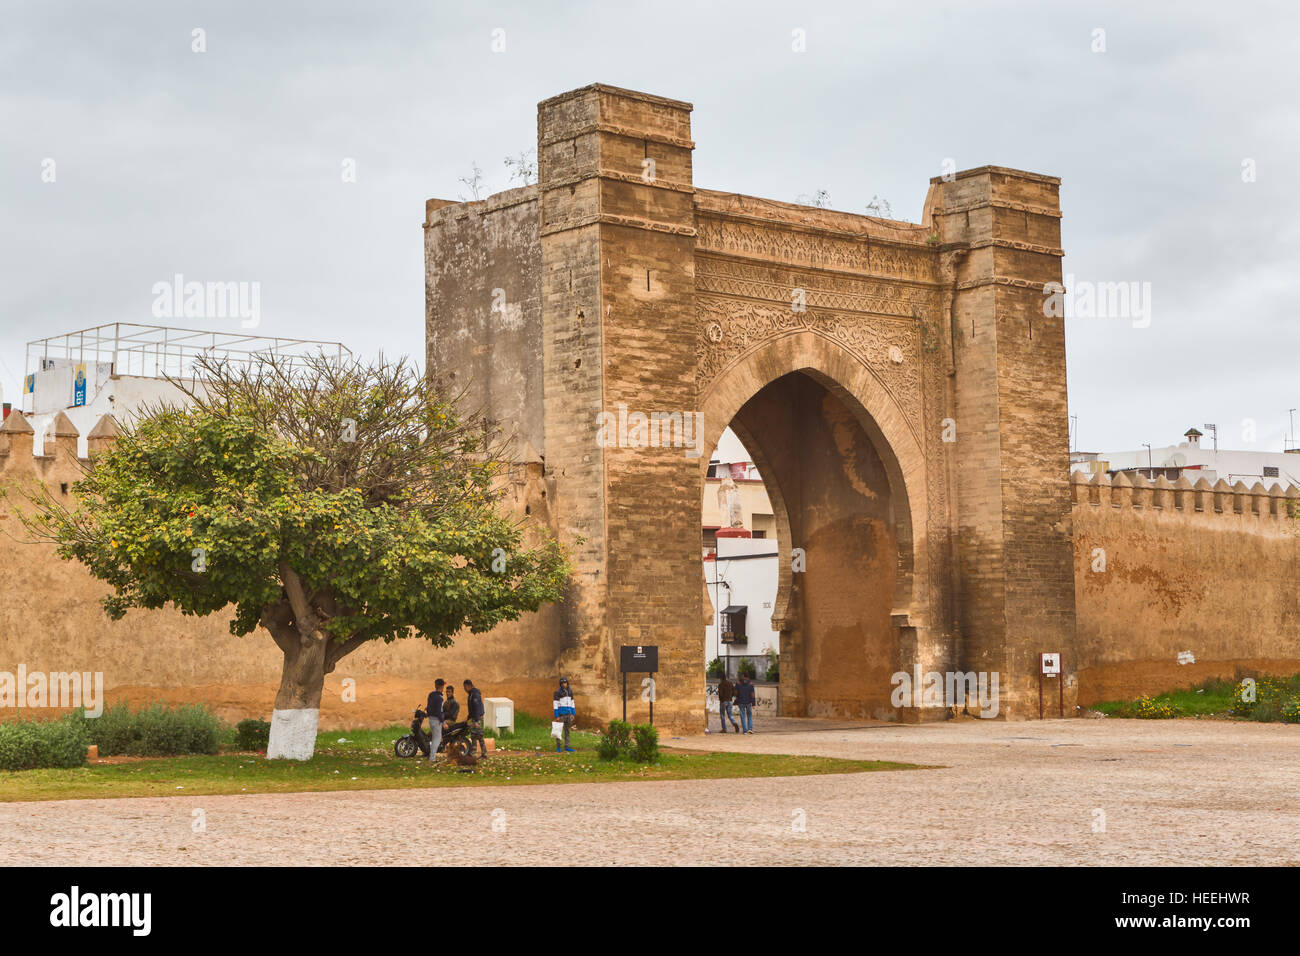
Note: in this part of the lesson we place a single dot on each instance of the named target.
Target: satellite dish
(1176, 460)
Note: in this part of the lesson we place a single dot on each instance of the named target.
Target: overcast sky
(226, 165)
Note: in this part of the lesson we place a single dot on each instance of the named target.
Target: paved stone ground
(1173, 792)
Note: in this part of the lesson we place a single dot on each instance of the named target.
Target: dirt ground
(1080, 792)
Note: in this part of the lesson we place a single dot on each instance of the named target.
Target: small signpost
(1049, 665)
(639, 659)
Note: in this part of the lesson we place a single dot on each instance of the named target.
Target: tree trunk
(297, 705)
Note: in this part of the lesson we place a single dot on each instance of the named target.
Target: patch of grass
(353, 766)
(1215, 698)
(364, 760)
(530, 734)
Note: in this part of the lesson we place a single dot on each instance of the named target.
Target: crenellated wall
(1162, 571)
(51, 620)
(1176, 582)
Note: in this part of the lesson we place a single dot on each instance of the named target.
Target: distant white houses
(741, 579)
(740, 555)
(734, 495)
(1195, 461)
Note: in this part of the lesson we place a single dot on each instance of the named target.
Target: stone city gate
(897, 384)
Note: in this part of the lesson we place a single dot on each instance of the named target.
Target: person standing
(726, 693)
(745, 701)
(435, 718)
(474, 714)
(450, 706)
(564, 711)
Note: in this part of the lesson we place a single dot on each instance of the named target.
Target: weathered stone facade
(860, 359)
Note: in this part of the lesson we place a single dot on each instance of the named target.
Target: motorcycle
(456, 742)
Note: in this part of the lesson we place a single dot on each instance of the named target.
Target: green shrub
(252, 734)
(715, 669)
(645, 747)
(1240, 706)
(746, 668)
(155, 731)
(19, 748)
(1271, 698)
(1267, 709)
(773, 665)
(1152, 709)
(606, 749)
(1291, 710)
(622, 740)
(27, 745)
(616, 741)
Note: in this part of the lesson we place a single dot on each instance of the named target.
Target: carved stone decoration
(742, 326)
(873, 340)
(894, 260)
(841, 292)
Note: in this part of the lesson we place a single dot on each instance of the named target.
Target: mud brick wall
(1162, 569)
(51, 620)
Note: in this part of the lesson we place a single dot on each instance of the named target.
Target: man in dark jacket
(435, 718)
(450, 706)
(726, 694)
(745, 701)
(474, 714)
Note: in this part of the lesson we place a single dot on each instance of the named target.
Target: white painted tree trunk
(293, 734)
(297, 705)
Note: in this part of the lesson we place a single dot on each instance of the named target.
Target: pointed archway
(844, 516)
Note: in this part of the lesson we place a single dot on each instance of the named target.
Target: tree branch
(277, 618)
(336, 651)
(303, 615)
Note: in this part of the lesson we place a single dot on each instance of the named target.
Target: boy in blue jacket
(564, 711)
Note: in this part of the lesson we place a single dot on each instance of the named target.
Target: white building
(740, 563)
(744, 575)
(1193, 460)
(120, 370)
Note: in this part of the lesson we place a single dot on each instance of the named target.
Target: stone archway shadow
(846, 377)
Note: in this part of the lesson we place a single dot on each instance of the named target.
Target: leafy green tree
(329, 504)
